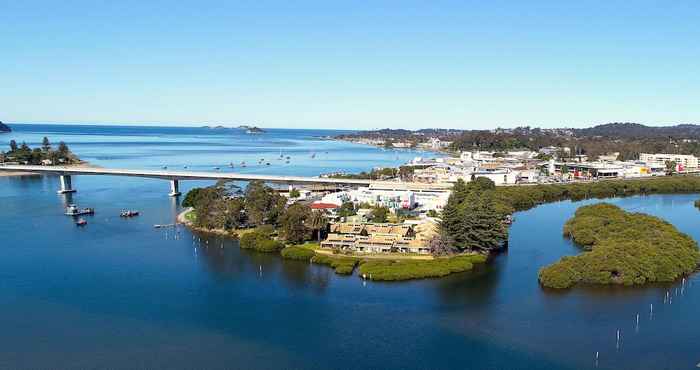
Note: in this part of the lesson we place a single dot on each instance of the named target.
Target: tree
(473, 218)
(13, 146)
(262, 203)
(191, 197)
(294, 193)
(347, 209)
(379, 214)
(63, 151)
(670, 167)
(45, 145)
(317, 222)
(292, 223)
(36, 156)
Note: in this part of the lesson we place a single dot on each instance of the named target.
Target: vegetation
(298, 253)
(4, 128)
(519, 198)
(418, 269)
(294, 193)
(403, 172)
(621, 248)
(342, 265)
(292, 225)
(629, 139)
(260, 241)
(24, 154)
(697, 204)
(379, 214)
(473, 217)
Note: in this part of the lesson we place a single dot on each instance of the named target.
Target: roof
(323, 206)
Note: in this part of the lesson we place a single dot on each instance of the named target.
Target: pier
(65, 173)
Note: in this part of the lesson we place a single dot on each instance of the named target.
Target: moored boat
(73, 210)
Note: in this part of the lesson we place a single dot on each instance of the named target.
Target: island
(251, 129)
(45, 155)
(4, 128)
(621, 248)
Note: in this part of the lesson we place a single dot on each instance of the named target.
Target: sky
(350, 64)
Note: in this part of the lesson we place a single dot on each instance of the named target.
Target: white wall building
(687, 161)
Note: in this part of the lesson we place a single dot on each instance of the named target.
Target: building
(378, 238)
(685, 161)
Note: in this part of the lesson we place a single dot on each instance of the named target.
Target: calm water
(121, 294)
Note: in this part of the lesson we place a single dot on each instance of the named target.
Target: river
(121, 294)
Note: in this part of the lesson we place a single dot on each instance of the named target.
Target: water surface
(121, 294)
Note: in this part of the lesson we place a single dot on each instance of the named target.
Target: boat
(81, 222)
(73, 210)
(129, 213)
(216, 168)
(268, 163)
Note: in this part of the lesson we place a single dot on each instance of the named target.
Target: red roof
(323, 206)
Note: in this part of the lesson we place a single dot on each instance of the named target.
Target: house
(377, 238)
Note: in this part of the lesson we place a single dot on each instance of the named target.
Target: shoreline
(374, 267)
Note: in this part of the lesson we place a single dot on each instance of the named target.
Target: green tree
(13, 146)
(317, 222)
(670, 167)
(347, 209)
(45, 145)
(379, 214)
(191, 197)
(473, 218)
(262, 204)
(293, 223)
(294, 193)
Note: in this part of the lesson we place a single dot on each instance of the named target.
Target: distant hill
(629, 130)
(4, 127)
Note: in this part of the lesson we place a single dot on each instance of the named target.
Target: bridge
(65, 173)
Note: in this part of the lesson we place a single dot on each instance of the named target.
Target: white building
(686, 161)
(499, 176)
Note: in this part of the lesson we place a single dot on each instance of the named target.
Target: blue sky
(355, 64)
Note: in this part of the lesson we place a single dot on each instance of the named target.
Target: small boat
(73, 210)
(129, 213)
(313, 155)
(230, 164)
(217, 168)
(184, 167)
(286, 162)
(81, 222)
(165, 167)
(288, 157)
(267, 164)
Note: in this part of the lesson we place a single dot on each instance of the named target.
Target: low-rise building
(686, 161)
(376, 238)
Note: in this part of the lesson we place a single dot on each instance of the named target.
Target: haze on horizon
(409, 64)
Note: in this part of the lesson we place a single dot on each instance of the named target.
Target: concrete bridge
(65, 173)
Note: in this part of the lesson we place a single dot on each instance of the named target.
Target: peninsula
(4, 128)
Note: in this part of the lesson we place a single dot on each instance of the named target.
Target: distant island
(251, 129)
(4, 128)
(248, 129)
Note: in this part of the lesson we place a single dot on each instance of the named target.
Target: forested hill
(4, 127)
(635, 130)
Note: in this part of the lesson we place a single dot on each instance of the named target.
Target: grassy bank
(621, 248)
(395, 270)
(341, 265)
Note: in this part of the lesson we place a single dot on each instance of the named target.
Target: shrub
(622, 248)
(418, 269)
(297, 253)
(342, 265)
(260, 242)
